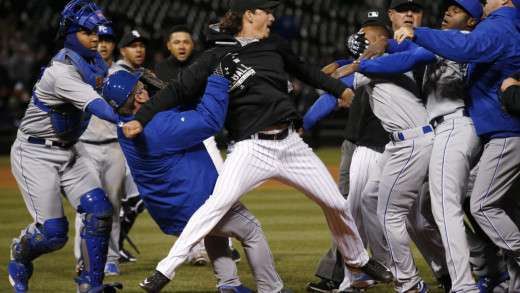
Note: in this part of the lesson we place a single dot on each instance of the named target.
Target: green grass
(294, 226)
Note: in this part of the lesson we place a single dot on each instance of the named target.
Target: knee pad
(98, 212)
(95, 235)
(49, 237)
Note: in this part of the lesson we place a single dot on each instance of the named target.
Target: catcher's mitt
(152, 82)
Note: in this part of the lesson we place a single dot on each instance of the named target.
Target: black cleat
(375, 270)
(324, 286)
(154, 283)
(126, 256)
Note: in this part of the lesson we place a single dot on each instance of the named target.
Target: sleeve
(511, 100)
(188, 85)
(321, 108)
(189, 128)
(70, 88)
(406, 45)
(306, 72)
(102, 110)
(344, 62)
(483, 45)
(398, 62)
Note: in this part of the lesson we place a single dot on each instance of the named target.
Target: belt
(100, 142)
(275, 136)
(438, 120)
(410, 133)
(64, 145)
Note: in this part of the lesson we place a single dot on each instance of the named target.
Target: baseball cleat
(19, 275)
(376, 270)
(324, 286)
(111, 269)
(420, 287)
(126, 256)
(198, 258)
(487, 284)
(364, 282)
(154, 283)
(234, 289)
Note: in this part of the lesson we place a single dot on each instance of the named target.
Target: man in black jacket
(261, 123)
(180, 45)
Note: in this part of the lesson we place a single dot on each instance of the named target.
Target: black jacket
(262, 100)
(170, 67)
(511, 100)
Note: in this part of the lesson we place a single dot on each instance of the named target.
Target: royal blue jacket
(493, 49)
(168, 161)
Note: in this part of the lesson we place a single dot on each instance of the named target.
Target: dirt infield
(7, 179)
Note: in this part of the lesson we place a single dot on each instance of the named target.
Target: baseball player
(492, 51)
(263, 142)
(403, 166)
(456, 147)
(179, 175)
(132, 47)
(47, 158)
(100, 141)
(180, 45)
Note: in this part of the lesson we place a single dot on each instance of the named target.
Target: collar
(508, 12)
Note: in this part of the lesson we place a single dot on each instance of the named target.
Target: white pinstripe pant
(252, 162)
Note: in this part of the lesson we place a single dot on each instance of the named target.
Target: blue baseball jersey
(168, 161)
(493, 51)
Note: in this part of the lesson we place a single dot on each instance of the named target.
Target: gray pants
(498, 171)
(241, 224)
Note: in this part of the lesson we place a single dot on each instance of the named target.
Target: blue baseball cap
(106, 32)
(118, 86)
(473, 7)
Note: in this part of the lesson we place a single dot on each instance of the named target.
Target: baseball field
(294, 226)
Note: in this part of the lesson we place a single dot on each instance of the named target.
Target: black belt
(440, 119)
(64, 145)
(100, 142)
(275, 136)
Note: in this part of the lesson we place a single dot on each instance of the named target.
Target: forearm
(398, 62)
(321, 108)
(99, 108)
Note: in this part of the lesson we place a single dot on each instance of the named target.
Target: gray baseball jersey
(402, 168)
(41, 170)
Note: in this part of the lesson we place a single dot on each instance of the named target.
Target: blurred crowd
(315, 28)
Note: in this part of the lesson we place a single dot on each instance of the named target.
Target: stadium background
(316, 30)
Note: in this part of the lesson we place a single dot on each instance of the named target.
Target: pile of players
(435, 93)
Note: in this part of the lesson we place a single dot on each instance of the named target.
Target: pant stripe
(443, 205)
(27, 185)
(487, 193)
(386, 209)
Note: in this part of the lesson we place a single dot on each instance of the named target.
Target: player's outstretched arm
(398, 62)
(101, 109)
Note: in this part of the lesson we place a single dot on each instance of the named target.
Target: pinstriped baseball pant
(250, 163)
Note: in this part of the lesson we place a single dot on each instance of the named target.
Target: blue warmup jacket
(493, 49)
(168, 161)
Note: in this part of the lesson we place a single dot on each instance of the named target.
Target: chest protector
(69, 122)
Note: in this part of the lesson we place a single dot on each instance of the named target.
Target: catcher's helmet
(118, 86)
(78, 15)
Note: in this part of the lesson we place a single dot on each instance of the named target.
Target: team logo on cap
(136, 34)
(373, 14)
(103, 29)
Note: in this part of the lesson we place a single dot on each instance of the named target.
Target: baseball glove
(152, 82)
(357, 44)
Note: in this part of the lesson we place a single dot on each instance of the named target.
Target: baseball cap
(130, 37)
(473, 7)
(106, 32)
(396, 3)
(118, 86)
(376, 17)
(241, 6)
